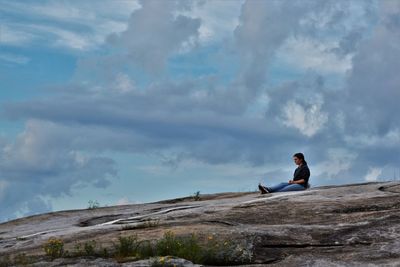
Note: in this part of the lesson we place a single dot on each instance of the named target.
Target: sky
(124, 101)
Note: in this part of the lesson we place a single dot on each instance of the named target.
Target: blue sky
(138, 101)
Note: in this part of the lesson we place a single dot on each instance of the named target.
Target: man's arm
(297, 182)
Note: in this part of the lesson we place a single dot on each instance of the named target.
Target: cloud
(369, 98)
(162, 118)
(123, 83)
(14, 35)
(43, 161)
(177, 115)
(338, 160)
(14, 58)
(123, 201)
(389, 139)
(372, 83)
(307, 121)
(306, 54)
(66, 24)
(218, 18)
(373, 174)
(260, 32)
(150, 39)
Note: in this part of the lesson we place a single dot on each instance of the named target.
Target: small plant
(146, 249)
(196, 196)
(78, 248)
(93, 204)
(191, 248)
(54, 248)
(104, 253)
(22, 259)
(127, 246)
(223, 252)
(5, 261)
(209, 250)
(89, 248)
(162, 262)
(168, 245)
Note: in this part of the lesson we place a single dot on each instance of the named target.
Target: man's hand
(297, 182)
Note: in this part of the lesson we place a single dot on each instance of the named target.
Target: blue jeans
(285, 187)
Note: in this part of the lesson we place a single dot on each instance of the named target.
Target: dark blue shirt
(302, 172)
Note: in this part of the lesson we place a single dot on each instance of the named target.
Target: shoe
(263, 189)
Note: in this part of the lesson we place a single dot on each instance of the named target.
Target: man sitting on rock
(300, 178)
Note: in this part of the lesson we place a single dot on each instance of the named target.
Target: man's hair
(300, 156)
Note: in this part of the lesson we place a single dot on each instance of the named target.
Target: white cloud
(68, 39)
(219, 18)
(390, 139)
(307, 120)
(123, 201)
(14, 34)
(339, 160)
(72, 11)
(43, 162)
(150, 40)
(123, 83)
(72, 24)
(373, 174)
(305, 53)
(14, 58)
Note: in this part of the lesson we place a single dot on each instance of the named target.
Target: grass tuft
(54, 248)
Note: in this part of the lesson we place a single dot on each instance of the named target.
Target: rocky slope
(351, 225)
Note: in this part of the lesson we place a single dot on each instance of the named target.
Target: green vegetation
(199, 249)
(22, 260)
(184, 247)
(196, 196)
(5, 261)
(93, 204)
(85, 249)
(54, 248)
(205, 250)
(90, 248)
(127, 247)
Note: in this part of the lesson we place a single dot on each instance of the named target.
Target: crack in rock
(222, 222)
(305, 245)
(367, 208)
(301, 245)
(98, 220)
(136, 218)
(36, 234)
(386, 188)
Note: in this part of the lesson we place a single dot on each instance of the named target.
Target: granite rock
(349, 225)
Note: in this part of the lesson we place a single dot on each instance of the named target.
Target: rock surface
(351, 225)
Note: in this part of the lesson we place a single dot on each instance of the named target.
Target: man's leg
(277, 188)
(292, 187)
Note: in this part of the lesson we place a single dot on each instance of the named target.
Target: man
(300, 178)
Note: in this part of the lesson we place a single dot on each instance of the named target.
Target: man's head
(298, 158)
